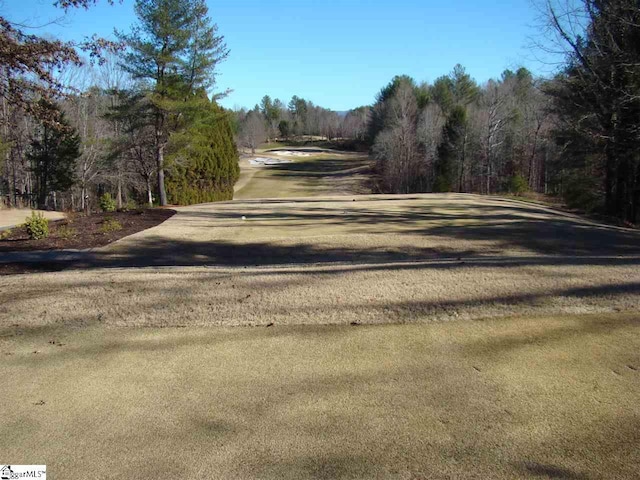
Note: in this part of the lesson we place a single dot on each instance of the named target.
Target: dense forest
(136, 121)
(141, 122)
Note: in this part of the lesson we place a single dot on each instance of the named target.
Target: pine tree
(597, 98)
(175, 49)
(454, 94)
(449, 150)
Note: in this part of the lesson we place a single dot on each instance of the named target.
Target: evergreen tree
(454, 94)
(174, 48)
(449, 150)
(204, 164)
(597, 99)
(53, 153)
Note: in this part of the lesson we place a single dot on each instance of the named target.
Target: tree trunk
(532, 159)
(160, 163)
(488, 177)
(15, 189)
(462, 162)
(149, 193)
(119, 195)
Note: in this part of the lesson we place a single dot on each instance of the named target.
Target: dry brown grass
(389, 293)
(502, 399)
(375, 260)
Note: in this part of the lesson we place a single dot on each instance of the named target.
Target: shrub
(583, 192)
(107, 203)
(518, 185)
(66, 232)
(71, 217)
(441, 184)
(130, 205)
(110, 225)
(37, 226)
(5, 234)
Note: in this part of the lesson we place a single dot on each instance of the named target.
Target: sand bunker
(292, 153)
(263, 161)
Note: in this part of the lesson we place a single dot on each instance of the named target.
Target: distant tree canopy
(577, 134)
(273, 120)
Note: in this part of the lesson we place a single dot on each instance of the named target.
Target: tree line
(576, 134)
(139, 122)
(299, 118)
(457, 136)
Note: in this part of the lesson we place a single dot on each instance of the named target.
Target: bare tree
(396, 147)
(252, 131)
(429, 133)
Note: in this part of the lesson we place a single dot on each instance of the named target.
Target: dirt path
(12, 217)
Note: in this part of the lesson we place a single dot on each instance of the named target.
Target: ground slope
(365, 259)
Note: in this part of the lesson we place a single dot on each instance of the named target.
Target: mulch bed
(79, 232)
(21, 268)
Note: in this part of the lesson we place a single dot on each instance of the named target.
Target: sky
(336, 53)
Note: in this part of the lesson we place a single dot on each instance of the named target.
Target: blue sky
(337, 53)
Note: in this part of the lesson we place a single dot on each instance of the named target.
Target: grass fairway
(513, 398)
(332, 337)
(320, 173)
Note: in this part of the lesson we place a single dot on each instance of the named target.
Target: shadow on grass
(516, 226)
(551, 471)
(485, 235)
(499, 344)
(166, 253)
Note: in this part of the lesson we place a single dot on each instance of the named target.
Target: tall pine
(449, 150)
(174, 49)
